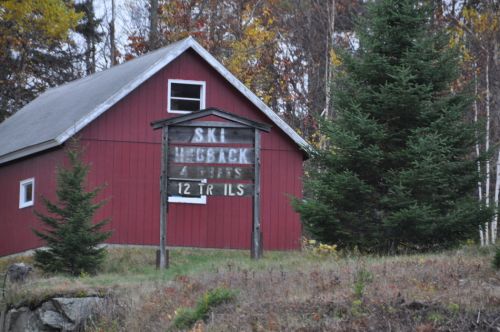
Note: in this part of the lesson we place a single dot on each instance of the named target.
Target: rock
(78, 310)
(23, 320)
(18, 272)
(57, 314)
(51, 317)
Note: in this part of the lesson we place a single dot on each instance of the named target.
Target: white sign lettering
(211, 155)
(211, 189)
(209, 135)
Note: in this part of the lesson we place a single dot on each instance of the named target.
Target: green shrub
(496, 259)
(362, 277)
(187, 317)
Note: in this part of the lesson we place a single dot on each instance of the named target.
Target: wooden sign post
(196, 152)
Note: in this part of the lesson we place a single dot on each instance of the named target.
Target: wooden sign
(194, 188)
(211, 155)
(211, 135)
(205, 144)
(210, 172)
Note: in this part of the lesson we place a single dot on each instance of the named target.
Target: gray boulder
(57, 314)
(52, 318)
(18, 272)
(23, 320)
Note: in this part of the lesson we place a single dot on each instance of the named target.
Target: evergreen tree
(88, 27)
(70, 235)
(396, 170)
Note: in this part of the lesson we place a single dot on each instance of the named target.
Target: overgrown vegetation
(286, 291)
(71, 236)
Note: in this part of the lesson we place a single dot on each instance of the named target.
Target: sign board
(195, 188)
(211, 172)
(210, 158)
(211, 155)
(211, 135)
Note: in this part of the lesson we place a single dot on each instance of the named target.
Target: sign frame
(234, 123)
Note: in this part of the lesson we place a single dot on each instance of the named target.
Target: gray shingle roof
(60, 112)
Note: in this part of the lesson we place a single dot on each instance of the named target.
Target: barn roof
(60, 112)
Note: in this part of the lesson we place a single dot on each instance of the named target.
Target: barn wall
(16, 224)
(124, 153)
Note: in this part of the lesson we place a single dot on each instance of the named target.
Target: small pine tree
(397, 170)
(71, 236)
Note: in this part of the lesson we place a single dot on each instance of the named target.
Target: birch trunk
(492, 231)
(478, 153)
(330, 31)
(487, 147)
(497, 188)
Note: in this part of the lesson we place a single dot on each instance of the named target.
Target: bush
(319, 249)
(361, 278)
(187, 317)
(496, 259)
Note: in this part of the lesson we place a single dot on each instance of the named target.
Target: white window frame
(22, 193)
(189, 200)
(202, 94)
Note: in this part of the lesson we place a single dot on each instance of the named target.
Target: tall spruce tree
(397, 168)
(70, 235)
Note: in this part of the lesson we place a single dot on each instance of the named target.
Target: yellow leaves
(335, 59)
(319, 249)
(456, 41)
(253, 53)
(481, 23)
(480, 26)
(50, 19)
(318, 140)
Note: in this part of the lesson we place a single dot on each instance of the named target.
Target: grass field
(297, 291)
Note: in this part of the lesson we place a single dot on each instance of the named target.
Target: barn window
(185, 96)
(26, 193)
(191, 199)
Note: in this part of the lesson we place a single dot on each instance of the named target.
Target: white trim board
(202, 99)
(22, 193)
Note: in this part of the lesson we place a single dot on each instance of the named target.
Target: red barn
(111, 112)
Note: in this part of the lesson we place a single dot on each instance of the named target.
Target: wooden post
(164, 198)
(158, 258)
(256, 252)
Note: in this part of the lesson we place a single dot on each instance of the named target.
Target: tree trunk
(112, 41)
(497, 188)
(330, 7)
(478, 153)
(487, 73)
(487, 146)
(153, 25)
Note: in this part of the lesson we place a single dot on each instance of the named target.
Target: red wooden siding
(16, 224)
(125, 155)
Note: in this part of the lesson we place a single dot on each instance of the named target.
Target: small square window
(26, 193)
(185, 96)
(191, 199)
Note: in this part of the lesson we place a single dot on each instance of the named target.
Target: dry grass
(452, 291)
